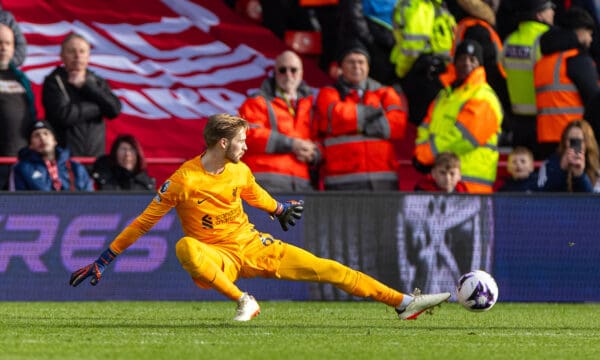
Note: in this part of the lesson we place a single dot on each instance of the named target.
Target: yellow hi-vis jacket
(521, 52)
(420, 27)
(466, 121)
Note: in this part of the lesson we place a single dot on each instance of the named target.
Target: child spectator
(445, 175)
(521, 169)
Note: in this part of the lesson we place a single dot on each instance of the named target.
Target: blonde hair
(592, 162)
(447, 160)
(222, 126)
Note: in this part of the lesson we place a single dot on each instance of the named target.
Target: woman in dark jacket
(575, 166)
(124, 168)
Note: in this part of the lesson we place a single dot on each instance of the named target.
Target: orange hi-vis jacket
(353, 151)
(557, 98)
(468, 22)
(274, 123)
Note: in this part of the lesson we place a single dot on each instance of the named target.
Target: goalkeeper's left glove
(94, 269)
(288, 212)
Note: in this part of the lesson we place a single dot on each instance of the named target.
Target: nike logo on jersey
(203, 200)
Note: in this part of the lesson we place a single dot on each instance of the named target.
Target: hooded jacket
(8, 19)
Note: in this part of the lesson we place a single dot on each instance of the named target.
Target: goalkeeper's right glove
(94, 269)
(287, 212)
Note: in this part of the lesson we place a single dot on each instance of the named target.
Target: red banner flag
(171, 62)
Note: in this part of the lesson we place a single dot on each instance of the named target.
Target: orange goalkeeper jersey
(209, 206)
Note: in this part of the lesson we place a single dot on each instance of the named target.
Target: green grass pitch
(294, 330)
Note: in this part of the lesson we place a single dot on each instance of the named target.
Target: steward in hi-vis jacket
(465, 119)
(357, 118)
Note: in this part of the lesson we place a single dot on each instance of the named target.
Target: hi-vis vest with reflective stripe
(420, 27)
(558, 100)
(521, 52)
(468, 22)
(269, 120)
(350, 155)
(466, 121)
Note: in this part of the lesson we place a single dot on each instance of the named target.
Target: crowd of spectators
(470, 75)
(76, 102)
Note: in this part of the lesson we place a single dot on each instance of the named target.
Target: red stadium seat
(250, 9)
(304, 42)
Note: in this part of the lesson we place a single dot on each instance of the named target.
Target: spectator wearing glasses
(357, 119)
(281, 152)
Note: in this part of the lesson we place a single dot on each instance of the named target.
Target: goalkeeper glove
(94, 269)
(288, 212)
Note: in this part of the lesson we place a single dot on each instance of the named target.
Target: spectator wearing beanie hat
(369, 22)
(565, 78)
(356, 118)
(593, 8)
(353, 49)
(44, 166)
(465, 118)
(472, 49)
(479, 25)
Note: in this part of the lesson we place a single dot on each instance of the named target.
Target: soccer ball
(477, 291)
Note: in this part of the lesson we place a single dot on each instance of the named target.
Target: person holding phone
(575, 165)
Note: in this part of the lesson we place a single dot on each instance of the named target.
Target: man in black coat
(76, 100)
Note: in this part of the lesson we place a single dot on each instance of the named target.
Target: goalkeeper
(220, 244)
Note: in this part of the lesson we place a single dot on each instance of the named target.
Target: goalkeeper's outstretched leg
(299, 264)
